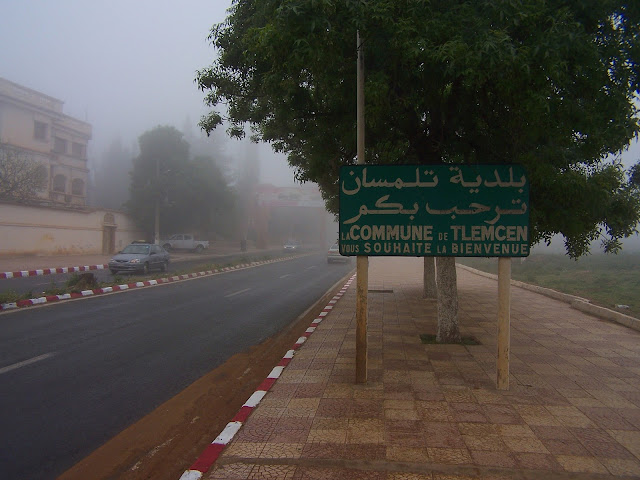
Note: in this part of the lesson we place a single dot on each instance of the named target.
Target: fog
(124, 67)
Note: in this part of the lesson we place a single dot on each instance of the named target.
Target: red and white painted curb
(126, 286)
(215, 448)
(51, 271)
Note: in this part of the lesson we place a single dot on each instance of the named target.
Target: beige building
(59, 222)
(34, 123)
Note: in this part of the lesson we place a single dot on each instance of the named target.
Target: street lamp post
(157, 206)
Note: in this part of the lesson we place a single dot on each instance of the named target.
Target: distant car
(291, 246)
(184, 241)
(140, 257)
(333, 255)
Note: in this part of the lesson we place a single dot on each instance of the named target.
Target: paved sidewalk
(432, 411)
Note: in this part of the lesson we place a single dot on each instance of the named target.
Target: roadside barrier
(51, 271)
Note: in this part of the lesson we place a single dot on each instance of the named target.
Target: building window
(78, 150)
(39, 130)
(77, 186)
(59, 183)
(59, 145)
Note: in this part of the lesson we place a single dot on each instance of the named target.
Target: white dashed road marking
(26, 362)
(237, 293)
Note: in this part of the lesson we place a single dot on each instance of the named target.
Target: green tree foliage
(192, 193)
(549, 85)
(21, 177)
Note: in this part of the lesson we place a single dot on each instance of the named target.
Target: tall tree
(155, 175)
(192, 194)
(549, 85)
(206, 202)
(21, 177)
(110, 185)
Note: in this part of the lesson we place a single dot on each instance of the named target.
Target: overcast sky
(124, 66)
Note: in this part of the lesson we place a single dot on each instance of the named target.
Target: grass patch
(430, 339)
(10, 296)
(82, 281)
(607, 280)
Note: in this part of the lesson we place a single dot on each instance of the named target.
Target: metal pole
(504, 320)
(157, 212)
(362, 262)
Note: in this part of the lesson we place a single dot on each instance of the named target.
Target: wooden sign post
(504, 322)
(362, 262)
(441, 210)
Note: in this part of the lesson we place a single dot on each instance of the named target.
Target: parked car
(184, 241)
(140, 257)
(291, 246)
(333, 255)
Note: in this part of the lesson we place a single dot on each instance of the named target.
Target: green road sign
(434, 210)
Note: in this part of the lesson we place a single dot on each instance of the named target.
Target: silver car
(333, 255)
(140, 257)
(291, 246)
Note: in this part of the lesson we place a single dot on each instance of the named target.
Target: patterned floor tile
(282, 450)
(450, 456)
(573, 403)
(515, 430)
(479, 429)
(441, 435)
(491, 443)
(272, 472)
(620, 467)
(600, 443)
(309, 403)
(408, 454)
(525, 444)
(245, 449)
(607, 418)
(338, 390)
(402, 414)
(234, 471)
(493, 459)
(335, 408)
(409, 476)
(435, 411)
(628, 439)
(537, 461)
(581, 464)
(327, 436)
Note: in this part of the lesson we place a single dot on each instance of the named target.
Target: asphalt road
(74, 374)
(180, 262)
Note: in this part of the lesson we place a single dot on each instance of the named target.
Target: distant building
(296, 213)
(34, 123)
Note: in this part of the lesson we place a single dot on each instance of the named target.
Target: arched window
(60, 183)
(77, 186)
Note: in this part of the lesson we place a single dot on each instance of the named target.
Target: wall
(33, 230)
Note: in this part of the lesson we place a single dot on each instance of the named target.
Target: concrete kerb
(579, 303)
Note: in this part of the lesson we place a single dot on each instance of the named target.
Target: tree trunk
(429, 287)
(448, 331)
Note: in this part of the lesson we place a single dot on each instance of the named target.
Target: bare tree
(21, 177)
